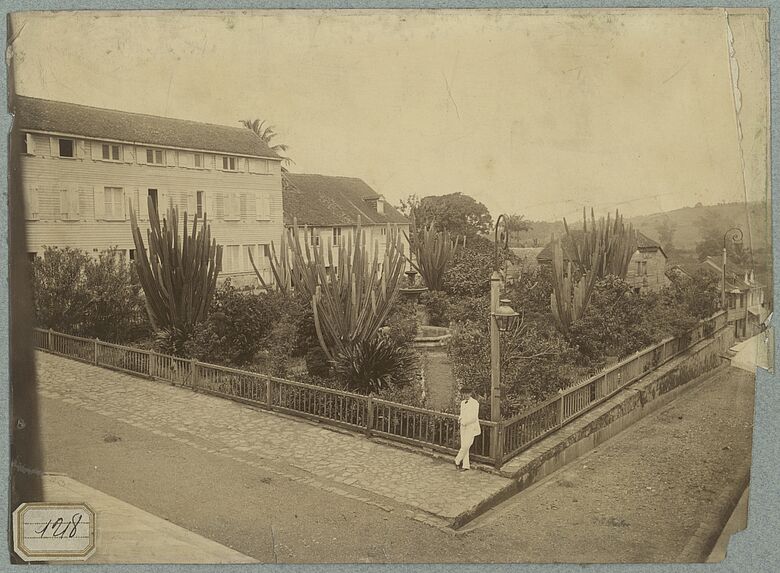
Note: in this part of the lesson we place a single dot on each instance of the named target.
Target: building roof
(735, 276)
(643, 243)
(33, 114)
(328, 201)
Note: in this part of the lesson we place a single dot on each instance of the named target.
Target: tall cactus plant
(178, 274)
(570, 297)
(617, 239)
(281, 266)
(433, 252)
(351, 302)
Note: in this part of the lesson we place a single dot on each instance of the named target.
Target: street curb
(642, 398)
(703, 541)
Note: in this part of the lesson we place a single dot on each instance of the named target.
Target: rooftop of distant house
(643, 243)
(735, 274)
(331, 201)
(63, 118)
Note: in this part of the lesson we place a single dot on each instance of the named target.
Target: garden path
(439, 381)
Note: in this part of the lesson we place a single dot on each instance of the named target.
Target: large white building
(84, 167)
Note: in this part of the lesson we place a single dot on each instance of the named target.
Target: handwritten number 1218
(59, 528)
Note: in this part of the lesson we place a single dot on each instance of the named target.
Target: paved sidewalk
(339, 462)
(127, 534)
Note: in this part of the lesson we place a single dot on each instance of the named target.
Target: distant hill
(685, 222)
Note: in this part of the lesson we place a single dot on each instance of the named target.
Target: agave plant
(433, 252)
(375, 364)
(350, 300)
(281, 266)
(178, 274)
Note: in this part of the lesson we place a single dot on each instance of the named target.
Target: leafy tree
(460, 214)
(237, 325)
(711, 231)
(266, 132)
(77, 294)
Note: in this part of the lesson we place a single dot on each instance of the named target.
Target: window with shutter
(198, 160)
(66, 147)
(114, 204)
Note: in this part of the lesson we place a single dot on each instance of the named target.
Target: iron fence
(439, 431)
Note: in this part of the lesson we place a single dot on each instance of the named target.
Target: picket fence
(419, 427)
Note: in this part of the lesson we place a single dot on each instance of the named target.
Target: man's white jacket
(469, 418)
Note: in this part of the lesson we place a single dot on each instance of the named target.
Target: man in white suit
(469, 427)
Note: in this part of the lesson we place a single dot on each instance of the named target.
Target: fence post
(499, 449)
(269, 396)
(194, 374)
(560, 408)
(152, 361)
(369, 415)
(97, 340)
(49, 341)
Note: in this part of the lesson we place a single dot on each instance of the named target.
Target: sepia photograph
(386, 286)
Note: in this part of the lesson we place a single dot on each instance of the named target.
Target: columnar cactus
(351, 302)
(178, 275)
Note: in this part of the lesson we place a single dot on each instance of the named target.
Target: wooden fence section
(418, 427)
(530, 426)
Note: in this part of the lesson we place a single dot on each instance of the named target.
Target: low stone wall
(652, 392)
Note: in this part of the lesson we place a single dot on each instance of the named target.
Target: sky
(530, 112)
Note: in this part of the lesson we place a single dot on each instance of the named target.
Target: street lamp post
(735, 234)
(502, 318)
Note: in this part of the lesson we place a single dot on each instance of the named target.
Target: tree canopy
(460, 214)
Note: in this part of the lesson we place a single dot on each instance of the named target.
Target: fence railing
(419, 427)
(530, 426)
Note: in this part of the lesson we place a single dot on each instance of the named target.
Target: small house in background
(329, 208)
(646, 271)
(746, 301)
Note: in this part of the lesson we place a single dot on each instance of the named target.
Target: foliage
(605, 248)
(459, 214)
(178, 275)
(401, 323)
(351, 302)
(433, 252)
(375, 364)
(534, 364)
(473, 266)
(266, 132)
(74, 293)
(571, 290)
(436, 307)
(237, 326)
(699, 294)
(666, 229)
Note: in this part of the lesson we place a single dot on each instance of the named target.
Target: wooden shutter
(143, 204)
(99, 197)
(31, 203)
(131, 199)
(97, 150)
(263, 207)
(170, 157)
(55, 146)
(74, 209)
(186, 159)
(30, 140)
(127, 153)
(79, 148)
(192, 204)
(140, 155)
(210, 205)
(64, 205)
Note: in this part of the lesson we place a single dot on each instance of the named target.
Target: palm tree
(265, 131)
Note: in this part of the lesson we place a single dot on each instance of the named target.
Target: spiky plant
(281, 266)
(178, 274)
(617, 240)
(570, 297)
(351, 299)
(433, 252)
(375, 364)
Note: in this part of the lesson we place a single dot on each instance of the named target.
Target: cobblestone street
(338, 462)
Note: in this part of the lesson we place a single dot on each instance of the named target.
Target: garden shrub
(436, 307)
(378, 363)
(85, 296)
(237, 324)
